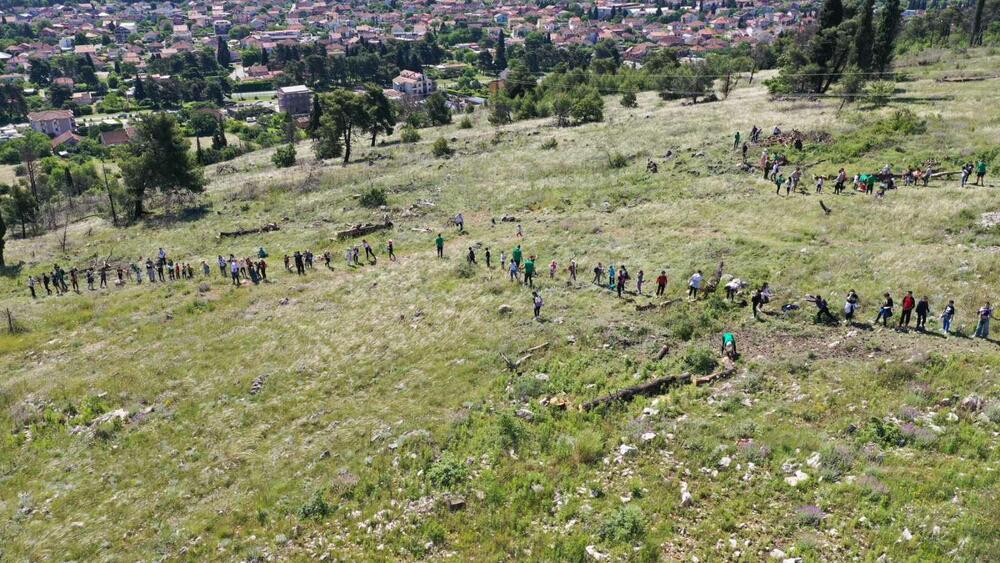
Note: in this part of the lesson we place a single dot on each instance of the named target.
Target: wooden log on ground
(660, 385)
(264, 229)
(365, 229)
(512, 365)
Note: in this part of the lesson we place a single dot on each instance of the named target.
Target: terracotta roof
(66, 137)
(116, 137)
(50, 114)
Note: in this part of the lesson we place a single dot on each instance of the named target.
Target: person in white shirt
(694, 285)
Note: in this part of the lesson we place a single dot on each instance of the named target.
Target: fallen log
(264, 229)
(365, 229)
(512, 365)
(651, 306)
(659, 385)
(965, 78)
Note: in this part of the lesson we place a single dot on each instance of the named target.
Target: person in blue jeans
(947, 316)
(983, 328)
(885, 311)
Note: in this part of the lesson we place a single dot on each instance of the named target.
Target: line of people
(520, 269)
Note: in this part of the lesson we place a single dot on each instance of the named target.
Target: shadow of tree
(9, 271)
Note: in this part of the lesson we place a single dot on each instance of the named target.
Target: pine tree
(977, 25)
(315, 115)
(157, 158)
(500, 57)
(199, 155)
(864, 36)
(222, 53)
(139, 92)
(831, 15)
(3, 233)
(885, 35)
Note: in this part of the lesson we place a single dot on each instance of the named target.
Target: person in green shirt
(778, 180)
(516, 256)
(981, 173)
(736, 140)
(529, 271)
(439, 243)
(729, 345)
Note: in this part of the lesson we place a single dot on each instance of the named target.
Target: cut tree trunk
(367, 228)
(264, 229)
(660, 385)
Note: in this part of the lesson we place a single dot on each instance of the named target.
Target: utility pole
(111, 200)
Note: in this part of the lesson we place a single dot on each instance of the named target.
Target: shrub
(284, 156)
(510, 432)
(466, 123)
(628, 100)
(373, 197)
(409, 135)
(879, 93)
(624, 525)
(550, 144)
(441, 148)
(810, 515)
(881, 433)
(447, 472)
(837, 460)
(701, 360)
(527, 388)
(754, 452)
(617, 160)
(588, 447)
(316, 508)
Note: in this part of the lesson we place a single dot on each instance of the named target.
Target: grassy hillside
(388, 426)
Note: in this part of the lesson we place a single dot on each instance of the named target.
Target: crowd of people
(772, 166)
(523, 269)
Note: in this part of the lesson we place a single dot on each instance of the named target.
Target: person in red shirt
(661, 283)
(908, 304)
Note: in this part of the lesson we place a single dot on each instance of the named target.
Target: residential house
(117, 137)
(52, 122)
(66, 140)
(414, 84)
(295, 100)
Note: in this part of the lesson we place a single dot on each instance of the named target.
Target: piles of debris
(789, 139)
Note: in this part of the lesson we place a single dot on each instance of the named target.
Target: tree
(628, 99)
(500, 56)
(315, 115)
(222, 53)
(588, 106)
(381, 113)
(29, 158)
(219, 140)
(831, 14)
(976, 38)
(500, 110)
(202, 124)
(863, 37)
(3, 233)
(284, 156)
(157, 158)
(138, 91)
(438, 111)
(885, 35)
(687, 81)
(23, 207)
(59, 94)
(343, 114)
(562, 105)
